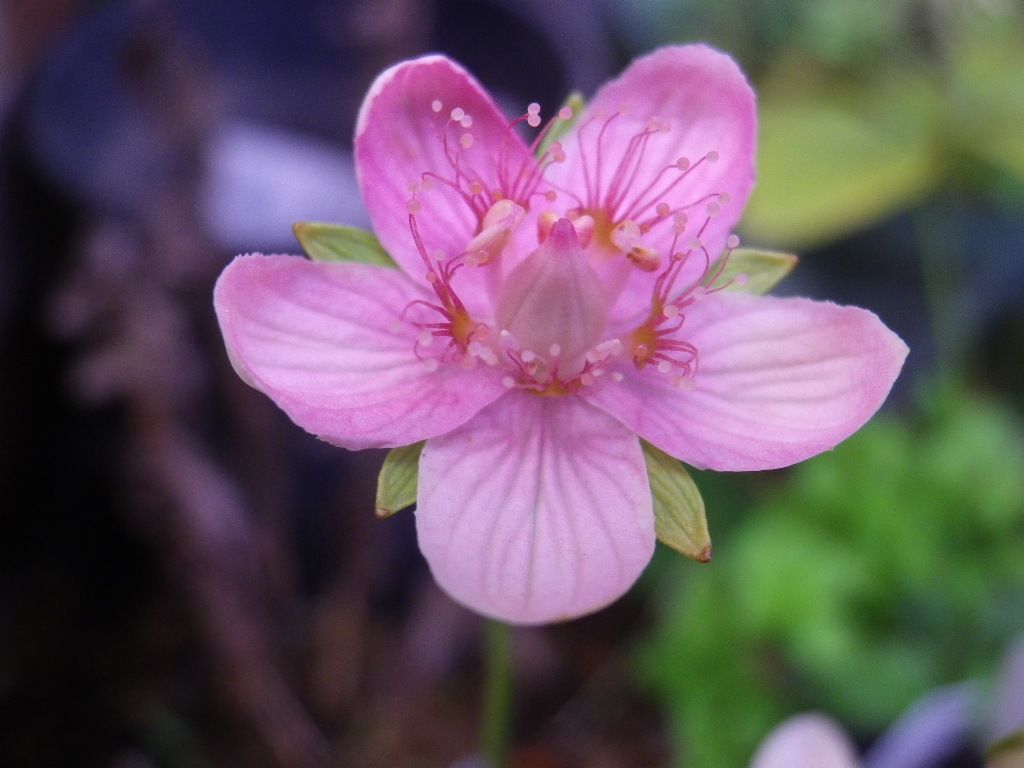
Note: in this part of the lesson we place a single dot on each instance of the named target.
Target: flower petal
(708, 106)
(536, 510)
(810, 740)
(778, 381)
(399, 138)
(326, 343)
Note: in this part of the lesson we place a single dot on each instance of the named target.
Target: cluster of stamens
(612, 212)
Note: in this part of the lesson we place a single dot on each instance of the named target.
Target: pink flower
(548, 311)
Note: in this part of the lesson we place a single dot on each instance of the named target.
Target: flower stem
(498, 694)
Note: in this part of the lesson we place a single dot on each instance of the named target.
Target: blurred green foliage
(872, 574)
(843, 146)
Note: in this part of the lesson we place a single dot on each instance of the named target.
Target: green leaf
(560, 128)
(334, 242)
(833, 160)
(763, 270)
(396, 484)
(678, 508)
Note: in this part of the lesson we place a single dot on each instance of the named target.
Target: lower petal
(537, 510)
(778, 381)
(327, 344)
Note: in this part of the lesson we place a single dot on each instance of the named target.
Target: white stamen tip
(724, 198)
(466, 140)
(712, 156)
(508, 382)
(683, 163)
(426, 339)
(670, 310)
(664, 366)
(713, 209)
(663, 210)
(533, 108)
(430, 364)
(457, 114)
(528, 356)
(616, 376)
(436, 105)
(565, 113)
(554, 350)
(587, 379)
(732, 241)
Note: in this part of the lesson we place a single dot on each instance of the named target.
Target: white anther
(466, 140)
(732, 241)
(587, 379)
(508, 382)
(426, 339)
(670, 310)
(528, 356)
(663, 210)
(457, 114)
(626, 235)
(617, 376)
(436, 105)
(430, 364)
(683, 163)
(565, 113)
(555, 350)
(664, 366)
(711, 156)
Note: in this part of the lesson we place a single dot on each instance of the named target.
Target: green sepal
(763, 269)
(679, 520)
(398, 479)
(335, 242)
(560, 128)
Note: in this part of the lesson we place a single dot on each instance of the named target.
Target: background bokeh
(187, 580)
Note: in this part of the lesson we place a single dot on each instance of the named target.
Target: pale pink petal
(708, 107)
(806, 741)
(399, 138)
(326, 343)
(536, 510)
(779, 381)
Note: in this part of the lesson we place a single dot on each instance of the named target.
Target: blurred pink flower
(554, 302)
(810, 740)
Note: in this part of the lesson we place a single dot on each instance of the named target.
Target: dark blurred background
(188, 580)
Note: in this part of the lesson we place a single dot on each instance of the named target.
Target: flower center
(551, 309)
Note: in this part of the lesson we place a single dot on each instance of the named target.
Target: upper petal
(536, 510)
(327, 344)
(708, 107)
(778, 381)
(400, 137)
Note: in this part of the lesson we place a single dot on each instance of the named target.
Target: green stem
(498, 694)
